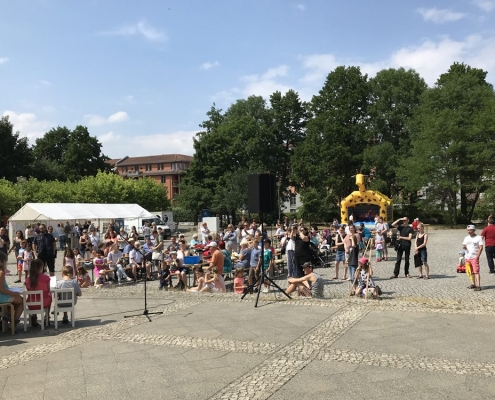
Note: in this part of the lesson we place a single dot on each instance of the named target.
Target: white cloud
(142, 28)
(116, 146)
(45, 83)
(208, 65)
(3, 60)
(439, 16)
(28, 125)
(301, 7)
(429, 58)
(96, 120)
(485, 5)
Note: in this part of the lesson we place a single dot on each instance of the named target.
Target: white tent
(77, 211)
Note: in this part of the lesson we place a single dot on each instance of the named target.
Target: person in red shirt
(415, 224)
(217, 258)
(488, 235)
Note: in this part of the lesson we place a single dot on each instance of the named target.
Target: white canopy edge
(78, 211)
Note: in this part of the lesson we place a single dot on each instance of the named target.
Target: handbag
(397, 245)
(157, 256)
(417, 261)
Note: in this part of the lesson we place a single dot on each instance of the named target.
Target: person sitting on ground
(164, 275)
(227, 261)
(38, 281)
(310, 285)
(200, 280)
(7, 295)
(83, 278)
(365, 283)
(68, 282)
(214, 282)
(239, 285)
(461, 264)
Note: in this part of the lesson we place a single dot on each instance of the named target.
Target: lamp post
(278, 199)
(21, 180)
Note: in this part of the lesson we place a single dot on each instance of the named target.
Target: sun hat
(363, 260)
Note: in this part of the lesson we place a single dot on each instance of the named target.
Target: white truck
(139, 223)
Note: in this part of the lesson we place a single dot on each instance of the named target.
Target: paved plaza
(424, 339)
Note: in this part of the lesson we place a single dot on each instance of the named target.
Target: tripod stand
(263, 277)
(145, 311)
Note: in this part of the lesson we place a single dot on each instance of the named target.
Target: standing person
(340, 254)
(4, 241)
(290, 249)
(420, 245)
(59, 234)
(488, 235)
(204, 232)
(415, 224)
(84, 241)
(351, 244)
(30, 233)
(68, 235)
(45, 248)
(383, 228)
(230, 239)
(473, 245)
(405, 238)
(302, 253)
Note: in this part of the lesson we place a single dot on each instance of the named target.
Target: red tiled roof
(162, 158)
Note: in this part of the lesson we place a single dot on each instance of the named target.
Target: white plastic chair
(34, 298)
(64, 301)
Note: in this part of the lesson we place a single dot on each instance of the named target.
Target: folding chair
(64, 301)
(34, 298)
(6, 306)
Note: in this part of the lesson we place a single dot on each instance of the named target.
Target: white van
(139, 222)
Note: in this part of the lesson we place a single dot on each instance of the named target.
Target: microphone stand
(145, 312)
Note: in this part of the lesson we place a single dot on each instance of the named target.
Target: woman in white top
(290, 251)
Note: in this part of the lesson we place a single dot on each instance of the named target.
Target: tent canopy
(78, 211)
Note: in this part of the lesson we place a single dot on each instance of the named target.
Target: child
(267, 262)
(78, 258)
(164, 276)
(200, 279)
(239, 285)
(68, 282)
(20, 260)
(215, 283)
(6, 295)
(379, 246)
(69, 258)
(461, 264)
(26, 260)
(100, 268)
(39, 281)
(83, 278)
(364, 273)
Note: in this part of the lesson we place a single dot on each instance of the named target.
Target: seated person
(310, 285)
(194, 240)
(227, 261)
(239, 285)
(101, 270)
(83, 278)
(200, 280)
(177, 267)
(365, 284)
(7, 295)
(38, 281)
(244, 255)
(214, 282)
(68, 282)
(164, 275)
(136, 261)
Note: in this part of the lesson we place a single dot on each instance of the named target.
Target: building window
(292, 200)
(178, 166)
(163, 178)
(148, 167)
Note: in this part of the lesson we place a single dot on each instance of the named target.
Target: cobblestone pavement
(424, 339)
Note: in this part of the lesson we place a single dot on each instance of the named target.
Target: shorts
(252, 272)
(424, 255)
(19, 265)
(340, 256)
(475, 265)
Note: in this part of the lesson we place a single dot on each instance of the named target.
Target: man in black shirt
(405, 237)
(302, 253)
(45, 248)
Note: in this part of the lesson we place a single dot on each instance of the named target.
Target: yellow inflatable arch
(364, 205)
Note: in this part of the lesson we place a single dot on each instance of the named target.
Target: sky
(141, 75)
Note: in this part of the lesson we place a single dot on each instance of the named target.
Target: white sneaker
(266, 290)
(128, 279)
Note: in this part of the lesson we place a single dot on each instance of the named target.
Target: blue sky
(142, 74)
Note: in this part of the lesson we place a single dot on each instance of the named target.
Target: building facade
(166, 169)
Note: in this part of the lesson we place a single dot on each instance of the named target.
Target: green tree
(15, 154)
(453, 134)
(62, 154)
(336, 137)
(395, 93)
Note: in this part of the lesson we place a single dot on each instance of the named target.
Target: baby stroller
(316, 259)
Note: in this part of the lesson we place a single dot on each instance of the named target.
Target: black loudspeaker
(262, 193)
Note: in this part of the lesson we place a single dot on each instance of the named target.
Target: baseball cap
(212, 244)
(363, 260)
(462, 253)
(471, 227)
(307, 264)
